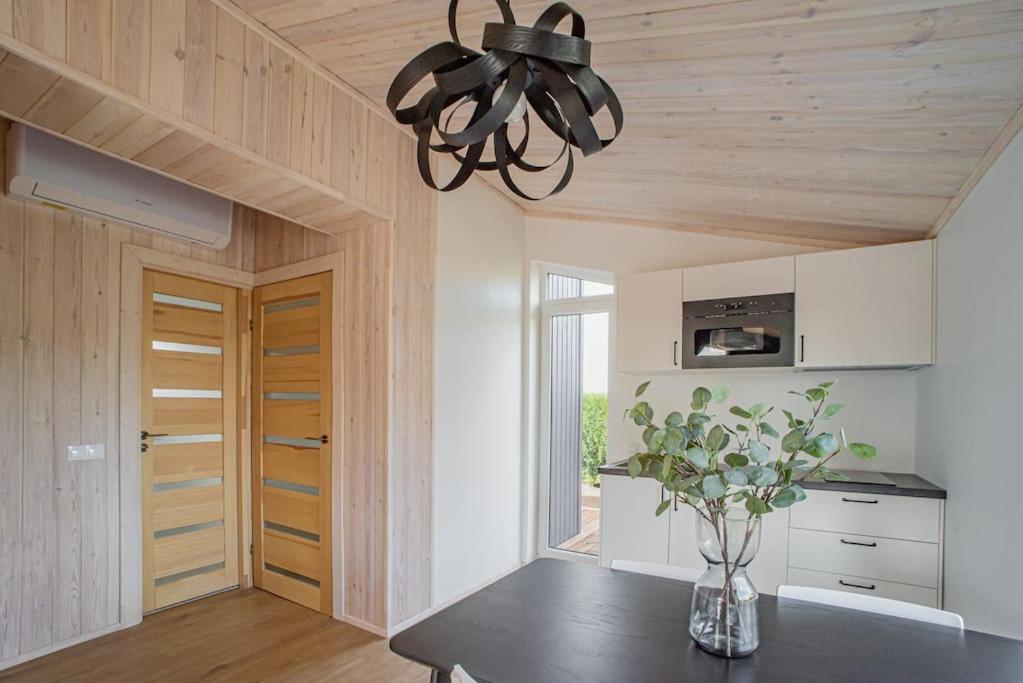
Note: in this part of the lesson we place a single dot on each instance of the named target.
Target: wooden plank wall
(198, 61)
(208, 96)
(59, 279)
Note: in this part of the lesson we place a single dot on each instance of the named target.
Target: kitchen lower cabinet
(629, 529)
(886, 545)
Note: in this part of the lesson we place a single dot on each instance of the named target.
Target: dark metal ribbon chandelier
(551, 71)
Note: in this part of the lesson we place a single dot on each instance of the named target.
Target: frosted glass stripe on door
(186, 302)
(187, 438)
(288, 486)
(190, 573)
(291, 575)
(187, 348)
(307, 535)
(187, 529)
(188, 484)
(292, 396)
(291, 305)
(187, 393)
(289, 441)
(292, 350)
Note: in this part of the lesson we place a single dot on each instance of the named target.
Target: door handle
(146, 435)
(865, 545)
(857, 585)
(321, 439)
(674, 354)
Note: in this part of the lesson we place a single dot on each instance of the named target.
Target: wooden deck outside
(587, 541)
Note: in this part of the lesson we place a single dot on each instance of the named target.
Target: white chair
(872, 603)
(459, 675)
(664, 571)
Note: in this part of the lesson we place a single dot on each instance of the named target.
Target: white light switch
(90, 451)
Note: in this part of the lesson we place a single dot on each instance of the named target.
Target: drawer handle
(857, 585)
(853, 500)
(872, 544)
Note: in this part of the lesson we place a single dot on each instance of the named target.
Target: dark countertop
(905, 484)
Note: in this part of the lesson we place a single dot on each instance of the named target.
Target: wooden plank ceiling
(841, 121)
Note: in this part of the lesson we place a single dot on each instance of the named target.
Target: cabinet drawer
(928, 597)
(912, 519)
(885, 559)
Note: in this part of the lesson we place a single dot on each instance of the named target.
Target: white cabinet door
(649, 321)
(769, 568)
(629, 529)
(682, 550)
(871, 307)
(744, 278)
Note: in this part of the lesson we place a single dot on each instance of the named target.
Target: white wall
(969, 407)
(477, 389)
(880, 405)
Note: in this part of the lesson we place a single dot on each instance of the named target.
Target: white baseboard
(54, 647)
(394, 630)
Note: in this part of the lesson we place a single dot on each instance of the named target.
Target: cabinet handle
(674, 354)
(865, 545)
(802, 348)
(853, 500)
(857, 585)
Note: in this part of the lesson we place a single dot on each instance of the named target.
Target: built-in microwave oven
(744, 332)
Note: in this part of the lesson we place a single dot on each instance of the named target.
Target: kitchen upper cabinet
(870, 307)
(649, 321)
(629, 529)
(744, 278)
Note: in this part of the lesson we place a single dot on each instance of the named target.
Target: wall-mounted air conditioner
(48, 169)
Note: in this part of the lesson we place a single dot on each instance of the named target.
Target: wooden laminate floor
(244, 635)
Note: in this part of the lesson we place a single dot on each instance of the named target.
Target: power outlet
(89, 451)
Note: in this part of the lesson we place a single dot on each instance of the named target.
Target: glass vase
(723, 620)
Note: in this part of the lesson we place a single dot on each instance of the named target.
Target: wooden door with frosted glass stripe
(292, 437)
(189, 438)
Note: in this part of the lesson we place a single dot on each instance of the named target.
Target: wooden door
(189, 439)
(292, 437)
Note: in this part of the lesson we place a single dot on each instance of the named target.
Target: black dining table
(554, 620)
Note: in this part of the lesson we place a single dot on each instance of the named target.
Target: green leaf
(642, 413)
(714, 486)
(826, 385)
(719, 394)
(696, 419)
(826, 443)
(756, 506)
(793, 441)
(739, 412)
(736, 460)
(663, 506)
(789, 496)
(675, 419)
(758, 452)
(666, 466)
(648, 434)
(762, 476)
(641, 388)
(635, 466)
(698, 457)
(657, 441)
(792, 423)
(863, 451)
(757, 410)
(741, 428)
(737, 477)
(701, 397)
(717, 439)
(816, 394)
(767, 430)
(832, 475)
(830, 410)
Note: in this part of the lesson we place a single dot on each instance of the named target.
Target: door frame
(135, 259)
(603, 303)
